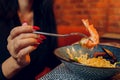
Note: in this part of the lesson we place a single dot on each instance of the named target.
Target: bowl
(88, 72)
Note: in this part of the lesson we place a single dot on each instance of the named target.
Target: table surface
(61, 72)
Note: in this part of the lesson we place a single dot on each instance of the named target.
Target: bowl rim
(76, 63)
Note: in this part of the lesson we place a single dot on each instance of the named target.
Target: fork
(60, 35)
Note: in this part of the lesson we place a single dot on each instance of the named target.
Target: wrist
(16, 64)
(10, 67)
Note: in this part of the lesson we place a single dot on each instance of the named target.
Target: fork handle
(49, 34)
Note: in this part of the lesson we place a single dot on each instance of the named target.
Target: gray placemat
(61, 73)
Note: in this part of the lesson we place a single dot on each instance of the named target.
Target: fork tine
(77, 33)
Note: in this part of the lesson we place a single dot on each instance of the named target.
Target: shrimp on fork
(93, 39)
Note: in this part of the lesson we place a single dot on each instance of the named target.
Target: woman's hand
(22, 41)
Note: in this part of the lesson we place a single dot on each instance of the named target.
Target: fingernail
(36, 45)
(24, 24)
(39, 41)
(42, 36)
(36, 28)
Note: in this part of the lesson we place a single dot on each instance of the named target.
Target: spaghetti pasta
(94, 61)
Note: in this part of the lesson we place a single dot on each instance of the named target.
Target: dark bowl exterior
(88, 72)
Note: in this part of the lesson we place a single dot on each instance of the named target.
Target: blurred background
(103, 14)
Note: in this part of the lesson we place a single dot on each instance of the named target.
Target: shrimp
(93, 39)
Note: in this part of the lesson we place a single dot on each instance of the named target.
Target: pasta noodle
(94, 61)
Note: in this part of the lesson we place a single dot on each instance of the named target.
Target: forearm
(10, 68)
